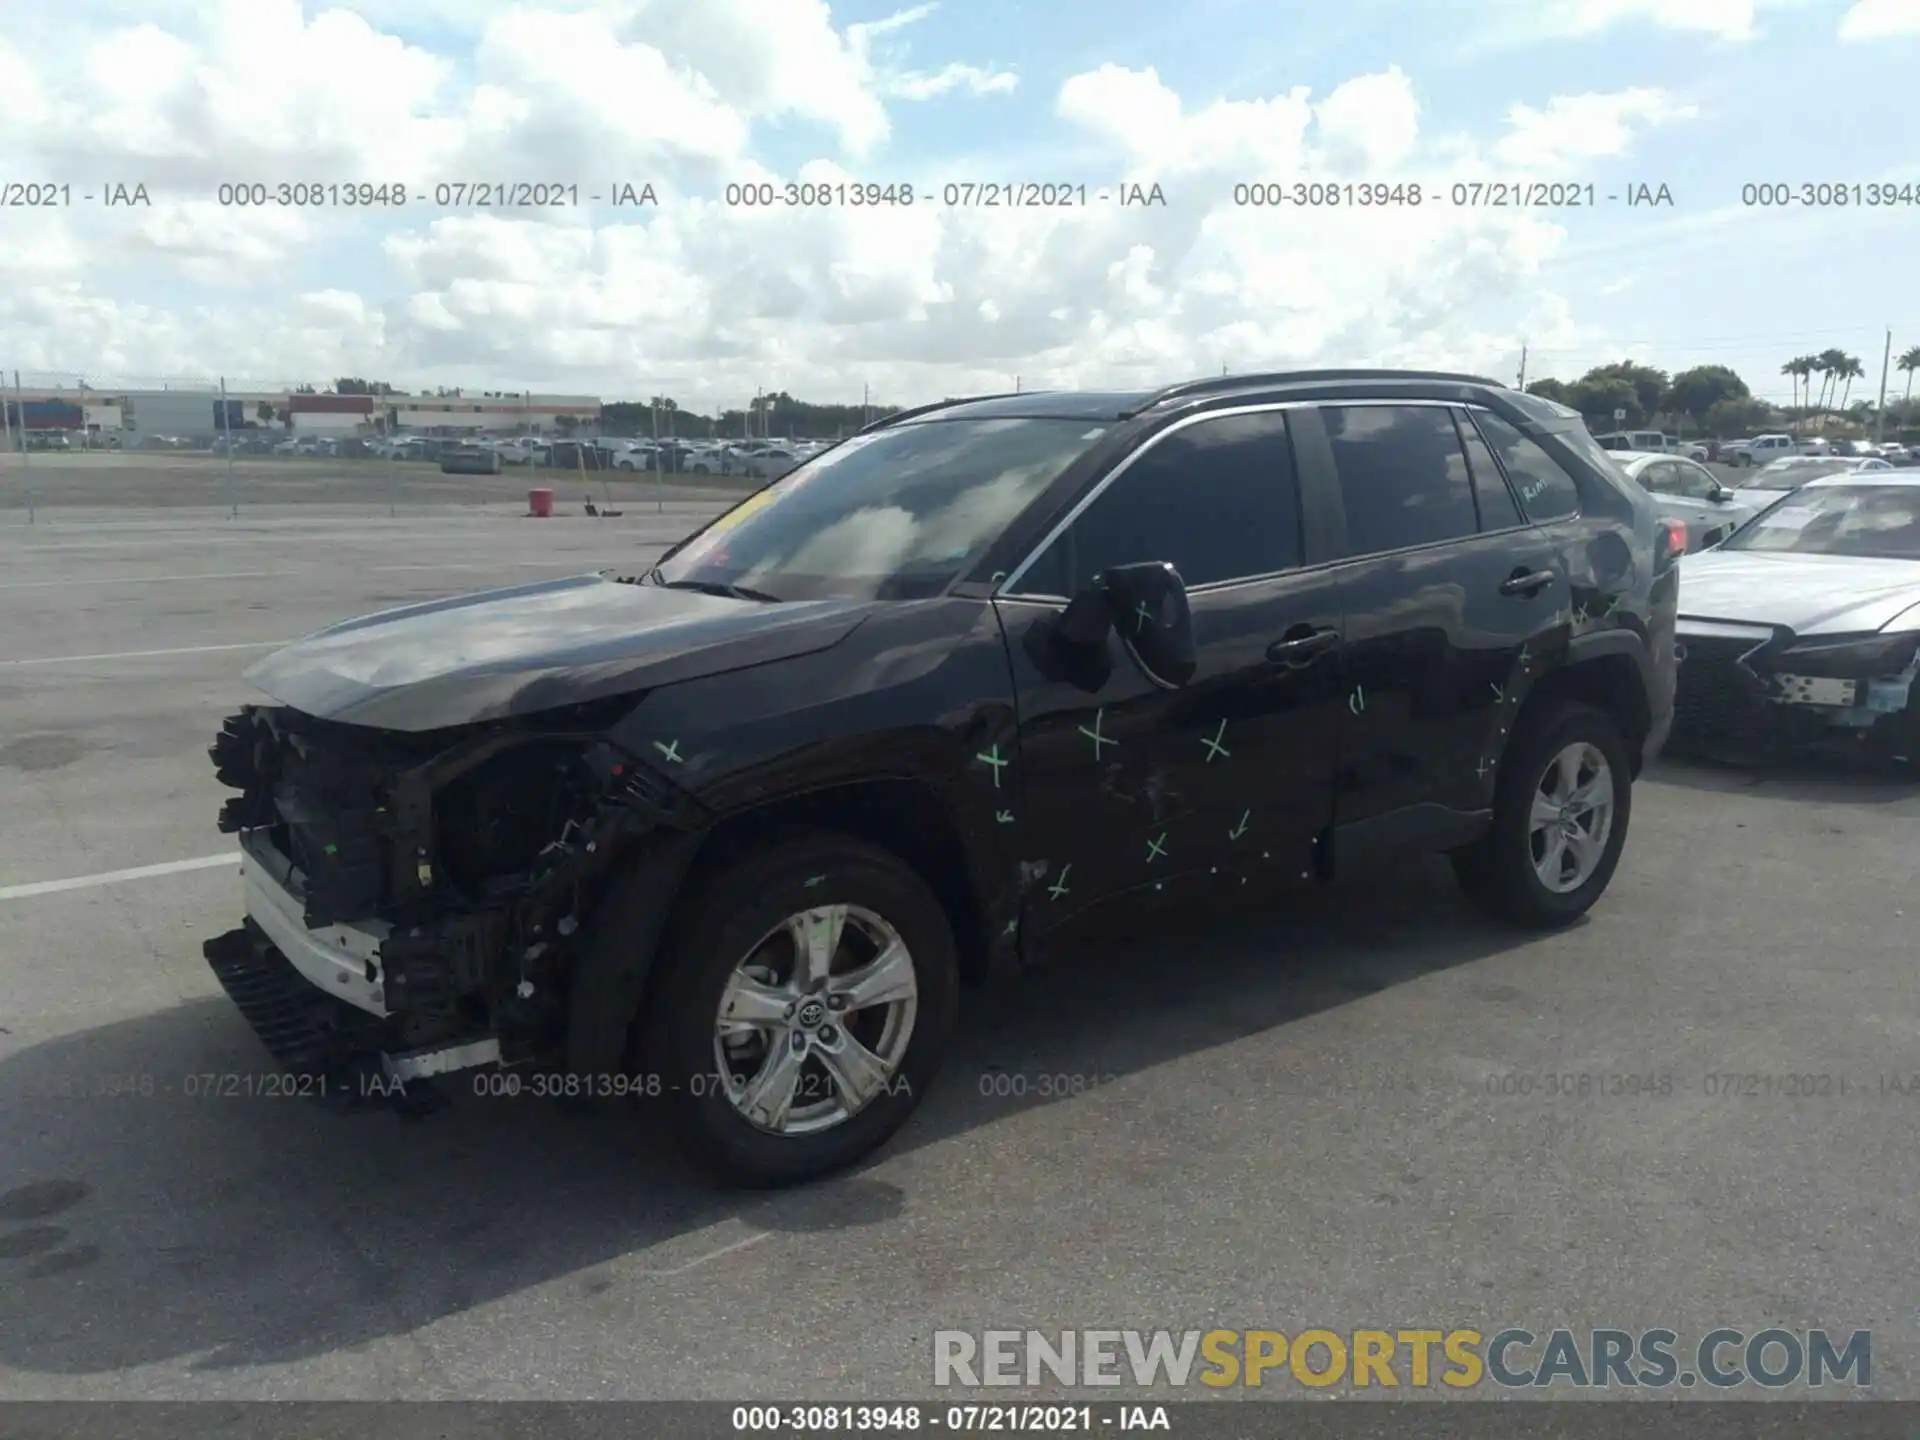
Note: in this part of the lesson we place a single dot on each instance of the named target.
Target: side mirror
(1721, 494)
(1148, 606)
(1084, 624)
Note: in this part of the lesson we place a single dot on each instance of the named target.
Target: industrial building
(193, 415)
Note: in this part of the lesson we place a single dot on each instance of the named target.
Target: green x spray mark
(1157, 847)
(1097, 734)
(1142, 617)
(1241, 828)
(1059, 887)
(997, 761)
(672, 752)
(1214, 748)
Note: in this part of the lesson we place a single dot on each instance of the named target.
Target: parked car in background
(1688, 492)
(1758, 451)
(1796, 470)
(1639, 442)
(470, 459)
(1694, 450)
(772, 463)
(575, 455)
(1804, 627)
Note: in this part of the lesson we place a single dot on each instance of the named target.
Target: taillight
(1673, 540)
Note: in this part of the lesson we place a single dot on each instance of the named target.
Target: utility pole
(1880, 410)
(20, 410)
(1523, 365)
(226, 431)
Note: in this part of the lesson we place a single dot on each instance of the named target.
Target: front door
(1127, 784)
(1687, 490)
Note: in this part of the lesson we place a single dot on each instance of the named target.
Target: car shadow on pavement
(1815, 780)
(224, 1230)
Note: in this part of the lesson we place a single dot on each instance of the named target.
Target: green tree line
(1707, 400)
(1712, 400)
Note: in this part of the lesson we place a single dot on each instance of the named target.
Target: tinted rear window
(1547, 491)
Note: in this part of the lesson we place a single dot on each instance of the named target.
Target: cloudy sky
(708, 301)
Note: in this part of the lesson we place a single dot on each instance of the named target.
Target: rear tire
(1503, 871)
(732, 943)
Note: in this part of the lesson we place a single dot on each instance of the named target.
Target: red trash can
(540, 502)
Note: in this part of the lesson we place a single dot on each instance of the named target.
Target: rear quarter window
(1545, 490)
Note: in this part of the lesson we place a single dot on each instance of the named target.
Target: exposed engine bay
(416, 901)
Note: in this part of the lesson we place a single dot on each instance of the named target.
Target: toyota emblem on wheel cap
(811, 1014)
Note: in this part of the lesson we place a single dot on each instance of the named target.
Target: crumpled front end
(1755, 692)
(415, 902)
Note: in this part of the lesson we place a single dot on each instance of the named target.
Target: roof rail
(1216, 383)
(918, 410)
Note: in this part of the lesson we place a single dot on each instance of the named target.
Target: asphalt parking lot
(1341, 1114)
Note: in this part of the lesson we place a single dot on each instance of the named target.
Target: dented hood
(1809, 594)
(536, 647)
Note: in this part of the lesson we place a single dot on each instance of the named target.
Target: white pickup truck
(1763, 448)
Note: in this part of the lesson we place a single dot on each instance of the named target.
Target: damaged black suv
(730, 833)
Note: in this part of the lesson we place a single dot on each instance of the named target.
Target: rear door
(1450, 595)
(1226, 780)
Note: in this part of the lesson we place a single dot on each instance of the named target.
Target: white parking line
(141, 654)
(710, 1256)
(116, 877)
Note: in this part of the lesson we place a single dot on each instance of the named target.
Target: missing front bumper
(346, 1058)
(1724, 706)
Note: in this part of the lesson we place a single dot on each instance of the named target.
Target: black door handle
(1300, 649)
(1527, 582)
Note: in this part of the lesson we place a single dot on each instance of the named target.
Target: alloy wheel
(1572, 817)
(815, 1020)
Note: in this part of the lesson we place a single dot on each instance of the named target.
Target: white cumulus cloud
(1880, 19)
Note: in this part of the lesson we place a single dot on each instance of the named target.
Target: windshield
(896, 515)
(1880, 522)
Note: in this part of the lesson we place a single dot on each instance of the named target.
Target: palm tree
(1910, 362)
(1848, 369)
(1828, 364)
(1801, 369)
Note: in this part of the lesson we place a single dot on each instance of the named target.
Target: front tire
(806, 1002)
(1561, 807)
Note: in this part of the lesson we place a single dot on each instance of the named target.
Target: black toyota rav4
(730, 832)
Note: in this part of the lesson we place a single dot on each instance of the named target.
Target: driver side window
(1218, 500)
(1692, 481)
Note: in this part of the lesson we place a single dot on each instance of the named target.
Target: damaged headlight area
(1778, 692)
(415, 903)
